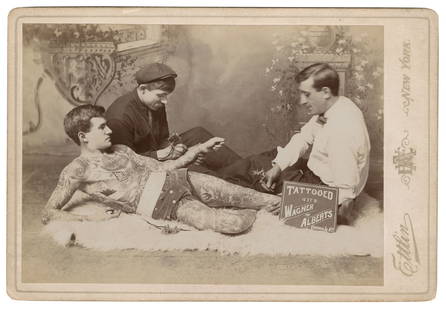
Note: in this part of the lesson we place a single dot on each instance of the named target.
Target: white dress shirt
(341, 149)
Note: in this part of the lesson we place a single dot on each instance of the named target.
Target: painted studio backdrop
(236, 81)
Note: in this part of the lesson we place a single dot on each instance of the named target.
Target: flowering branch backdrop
(363, 83)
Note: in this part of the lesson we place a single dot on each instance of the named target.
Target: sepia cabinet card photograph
(222, 154)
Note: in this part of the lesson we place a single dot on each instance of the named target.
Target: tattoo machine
(174, 139)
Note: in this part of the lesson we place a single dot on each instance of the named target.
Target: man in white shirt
(337, 133)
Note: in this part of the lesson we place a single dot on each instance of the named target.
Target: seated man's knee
(199, 130)
(196, 135)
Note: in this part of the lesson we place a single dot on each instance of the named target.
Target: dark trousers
(214, 161)
(249, 172)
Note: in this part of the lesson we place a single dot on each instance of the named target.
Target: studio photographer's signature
(406, 259)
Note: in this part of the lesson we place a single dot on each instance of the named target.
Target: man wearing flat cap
(138, 119)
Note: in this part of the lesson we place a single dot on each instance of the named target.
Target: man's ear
(326, 92)
(143, 87)
(82, 137)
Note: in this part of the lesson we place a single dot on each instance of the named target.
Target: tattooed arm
(69, 181)
(114, 204)
(192, 153)
(212, 144)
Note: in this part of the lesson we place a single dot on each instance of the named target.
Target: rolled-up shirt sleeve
(297, 146)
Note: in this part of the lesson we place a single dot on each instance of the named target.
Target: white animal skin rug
(268, 236)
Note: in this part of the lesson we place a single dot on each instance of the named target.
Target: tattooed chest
(117, 167)
(116, 176)
(114, 162)
(103, 187)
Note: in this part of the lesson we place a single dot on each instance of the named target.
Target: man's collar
(322, 119)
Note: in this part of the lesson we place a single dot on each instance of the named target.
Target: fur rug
(268, 235)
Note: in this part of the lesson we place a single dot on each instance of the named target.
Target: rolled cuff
(281, 159)
(346, 193)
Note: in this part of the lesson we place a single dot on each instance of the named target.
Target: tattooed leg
(197, 214)
(216, 192)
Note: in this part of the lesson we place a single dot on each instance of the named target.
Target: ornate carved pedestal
(81, 71)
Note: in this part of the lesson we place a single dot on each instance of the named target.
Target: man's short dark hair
(323, 76)
(78, 120)
(167, 84)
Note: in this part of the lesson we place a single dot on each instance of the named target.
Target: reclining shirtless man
(127, 182)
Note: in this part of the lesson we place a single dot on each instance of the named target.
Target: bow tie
(321, 119)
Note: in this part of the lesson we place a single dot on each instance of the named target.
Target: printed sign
(309, 206)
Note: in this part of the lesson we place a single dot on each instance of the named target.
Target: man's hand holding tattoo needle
(268, 182)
